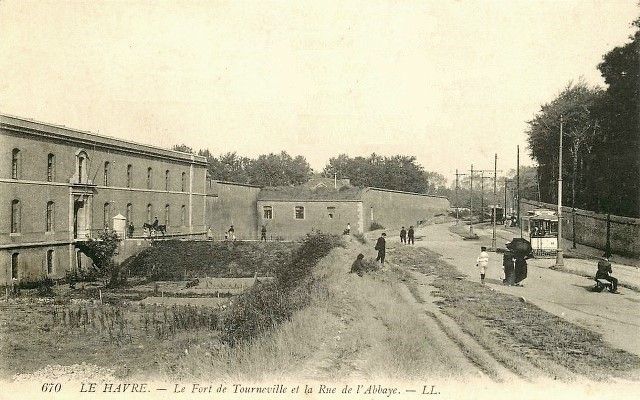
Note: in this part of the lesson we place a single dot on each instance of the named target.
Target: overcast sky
(450, 82)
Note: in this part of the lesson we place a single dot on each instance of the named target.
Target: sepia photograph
(340, 199)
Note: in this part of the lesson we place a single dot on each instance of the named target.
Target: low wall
(394, 209)
(591, 228)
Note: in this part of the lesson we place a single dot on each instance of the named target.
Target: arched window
(184, 182)
(149, 182)
(51, 167)
(50, 224)
(107, 215)
(299, 212)
(166, 180)
(107, 166)
(15, 216)
(129, 176)
(166, 214)
(15, 164)
(149, 213)
(50, 266)
(81, 166)
(183, 215)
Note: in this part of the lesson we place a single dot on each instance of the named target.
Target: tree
(619, 147)
(578, 104)
(436, 184)
(278, 170)
(101, 250)
(183, 148)
(396, 173)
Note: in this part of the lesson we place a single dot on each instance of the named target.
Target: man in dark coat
(509, 271)
(605, 271)
(410, 235)
(380, 246)
(403, 235)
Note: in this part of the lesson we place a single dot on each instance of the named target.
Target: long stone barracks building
(60, 186)
(290, 213)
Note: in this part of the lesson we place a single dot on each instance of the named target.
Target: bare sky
(450, 82)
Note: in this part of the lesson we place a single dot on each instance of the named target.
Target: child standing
(481, 262)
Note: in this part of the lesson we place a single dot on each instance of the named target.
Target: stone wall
(394, 209)
(235, 205)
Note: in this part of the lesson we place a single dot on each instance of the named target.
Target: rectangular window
(50, 216)
(183, 215)
(166, 215)
(183, 183)
(166, 180)
(14, 266)
(15, 164)
(299, 212)
(107, 165)
(49, 261)
(129, 168)
(331, 212)
(149, 183)
(107, 215)
(267, 212)
(15, 216)
(51, 168)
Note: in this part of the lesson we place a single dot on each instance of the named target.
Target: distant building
(292, 212)
(60, 186)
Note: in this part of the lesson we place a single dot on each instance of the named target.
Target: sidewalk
(582, 260)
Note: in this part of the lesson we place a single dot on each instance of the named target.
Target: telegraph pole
(471, 204)
(495, 200)
(482, 178)
(559, 259)
(457, 207)
(518, 186)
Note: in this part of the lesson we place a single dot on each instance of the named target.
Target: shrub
(267, 305)
(375, 225)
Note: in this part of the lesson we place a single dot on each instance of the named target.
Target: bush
(375, 225)
(267, 305)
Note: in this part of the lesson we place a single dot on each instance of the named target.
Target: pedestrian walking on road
(403, 235)
(381, 246)
(520, 265)
(410, 235)
(482, 262)
(509, 269)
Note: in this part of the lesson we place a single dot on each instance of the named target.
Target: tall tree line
(601, 138)
(395, 172)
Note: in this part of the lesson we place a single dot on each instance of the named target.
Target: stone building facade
(59, 186)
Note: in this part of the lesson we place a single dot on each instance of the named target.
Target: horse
(151, 228)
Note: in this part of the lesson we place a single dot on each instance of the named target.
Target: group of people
(514, 267)
(407, 235)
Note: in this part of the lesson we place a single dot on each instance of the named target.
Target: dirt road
(616, 317)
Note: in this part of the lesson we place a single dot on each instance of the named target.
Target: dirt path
(616, 317)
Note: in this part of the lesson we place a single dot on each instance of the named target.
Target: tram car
(542, 226)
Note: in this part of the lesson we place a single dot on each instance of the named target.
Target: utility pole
(482, 178)
(471, 204)
(559, 259)
(518, 186)
(457, 207)
(495, 200)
